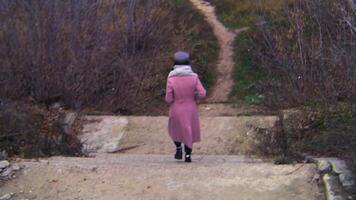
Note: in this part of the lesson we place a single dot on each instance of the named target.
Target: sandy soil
(110, 177)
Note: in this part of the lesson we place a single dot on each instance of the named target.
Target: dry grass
(303, 55)
(30, 130)
(107, 55)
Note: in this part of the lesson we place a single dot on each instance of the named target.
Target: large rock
(103, 134)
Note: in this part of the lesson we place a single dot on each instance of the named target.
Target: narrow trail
(225, 65)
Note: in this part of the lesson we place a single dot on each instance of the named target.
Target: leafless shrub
(31, 131)
(310, 53)
(111, 55)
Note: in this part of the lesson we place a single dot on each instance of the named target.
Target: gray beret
(181, 56)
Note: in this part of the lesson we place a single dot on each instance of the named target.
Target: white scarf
(181, 70)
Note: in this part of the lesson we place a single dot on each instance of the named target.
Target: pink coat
(182, 93)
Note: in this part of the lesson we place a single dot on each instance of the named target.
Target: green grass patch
(246, 73)
(245, 13)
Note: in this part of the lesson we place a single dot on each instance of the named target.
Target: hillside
(110, 56)
(298, 54)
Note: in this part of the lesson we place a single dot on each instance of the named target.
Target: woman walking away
(183, 90)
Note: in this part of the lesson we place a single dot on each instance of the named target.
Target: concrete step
(133, 159)
(234, 135)
(233, 109)
(113, 176)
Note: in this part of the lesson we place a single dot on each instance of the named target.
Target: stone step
(113, 176)
(134, 159)
(233, 109)
(234, 135)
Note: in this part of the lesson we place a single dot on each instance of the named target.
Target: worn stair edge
(143, 159)
(149, 135)
(333, 191)
(336, 178)
(345, 175)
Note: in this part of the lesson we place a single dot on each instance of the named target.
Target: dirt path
(225, 66)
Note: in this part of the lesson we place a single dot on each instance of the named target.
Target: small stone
(338, 166)
(67, 120)
(316, 178)
(31, 196)
(7, 172)
(308, 158)
(352, 197)
(323, 166)
(347, 180)
(6, 197)
(345, 175)
(4, 164)
(15, 167)
(44, 162)
(56, 106)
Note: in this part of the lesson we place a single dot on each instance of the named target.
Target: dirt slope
(225, 66)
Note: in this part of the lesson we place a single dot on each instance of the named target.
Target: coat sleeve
(200, 91)
(169, 92)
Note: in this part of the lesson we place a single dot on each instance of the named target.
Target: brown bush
(308, 53)
(110, 55)
(30, 131)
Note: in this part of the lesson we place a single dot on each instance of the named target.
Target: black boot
(179, 152)
(188, 152)
(188, 158)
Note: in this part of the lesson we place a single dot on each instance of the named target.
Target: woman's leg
(188, 152)
(178, 144)
(179, 153)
